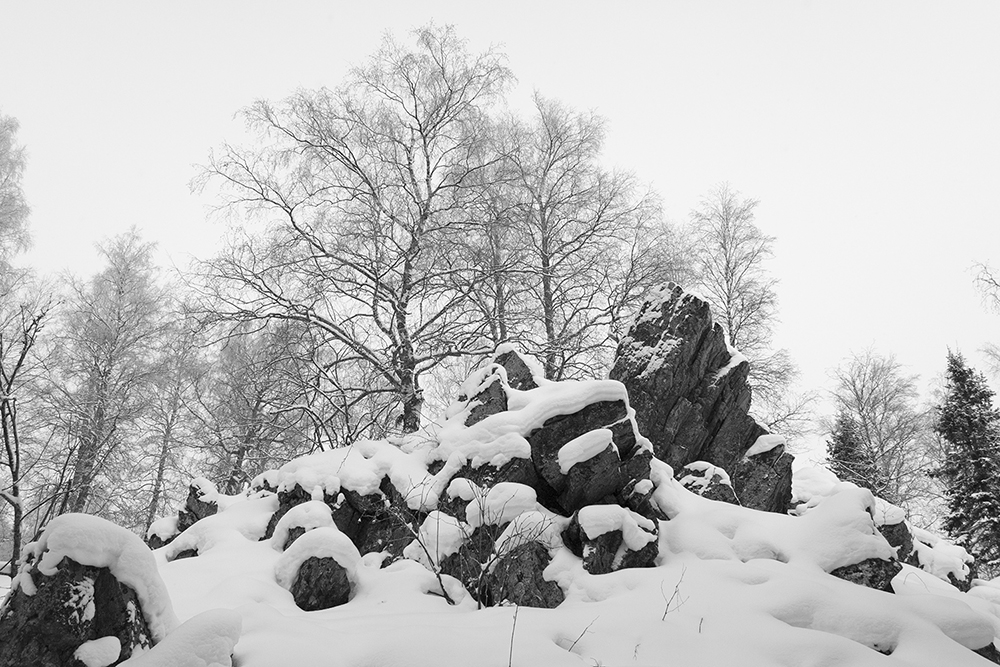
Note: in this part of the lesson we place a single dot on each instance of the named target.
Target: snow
(164, 528)
(308, 515)
(583, 448)
(533, 526)
(207, 640)
(751, 588)
(90, 540)
(731, 586)
(207, 492)
(637, 530)
(735, 359)
(440, 536)
(321, 542)
(764, 443)
(708, 471)
(500, 505)
(940, 557)
(99, 652)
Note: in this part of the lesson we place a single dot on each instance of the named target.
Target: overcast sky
(869, 131)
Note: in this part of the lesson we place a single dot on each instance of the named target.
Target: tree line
(384, 235)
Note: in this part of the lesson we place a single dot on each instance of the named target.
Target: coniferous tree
(970, 426)
(850, 459)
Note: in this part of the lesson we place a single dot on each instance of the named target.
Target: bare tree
(252, 404)
(108, 335)
(881, 401)
(731, 252)
(988, 284)
(588, 238)
(19, 330)
(13, 206)
(367, 190)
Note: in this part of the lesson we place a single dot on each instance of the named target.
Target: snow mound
(99, 652)
(308, 515)
(90, 540)
(440, 536)
(207, 640)
(322, 542)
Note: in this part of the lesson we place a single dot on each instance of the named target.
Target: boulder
(872, 572)
(471, 563)
(557, 431)
(384, 521)
(519, 373)
(688, 388)
(201, 502)
(76, 604)
(491, 399)
(321, 583)
(608, 550)
(708, 481)
(898, 535)
(516, 578)
(764, 481)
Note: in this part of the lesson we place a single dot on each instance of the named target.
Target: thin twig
(513, 627)
(570, 649)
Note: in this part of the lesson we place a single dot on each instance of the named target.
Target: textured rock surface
(689, 392)
(707, 481)
(873, 573)
(320, 584)
(76, 604)
(517, 578)
(764, 481)
(898, 535)
(195, 508)
(490, 400)
(606, 552)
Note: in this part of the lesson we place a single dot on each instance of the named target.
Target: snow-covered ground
(730, 586)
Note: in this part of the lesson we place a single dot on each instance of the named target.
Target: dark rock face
(990, 653)
(899, 536)
(764, 481)
(194, 509)
(517, 578)
(601, 554)
(568, 493)
(320, 584)
(707, 483)
(470, 564)
(78, 603)
(555, 432)
(672, 364)
(490, 400)
(872, 572)
(595, 480)
(518, 374)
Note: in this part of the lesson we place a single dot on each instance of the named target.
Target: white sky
(870, 131)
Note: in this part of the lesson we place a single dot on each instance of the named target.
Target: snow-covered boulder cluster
(535, 525)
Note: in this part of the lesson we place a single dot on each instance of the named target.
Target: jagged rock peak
(689, 390)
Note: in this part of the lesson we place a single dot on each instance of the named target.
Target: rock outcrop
(76, 604)
(874, 573)
(321, 583)
(691, 398)
(60, 604)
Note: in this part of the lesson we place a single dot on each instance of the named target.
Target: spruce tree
(970, 426)
(849, 458)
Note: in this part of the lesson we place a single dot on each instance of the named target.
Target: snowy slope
(731, 585)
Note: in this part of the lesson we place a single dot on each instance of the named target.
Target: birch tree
(366, 192)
